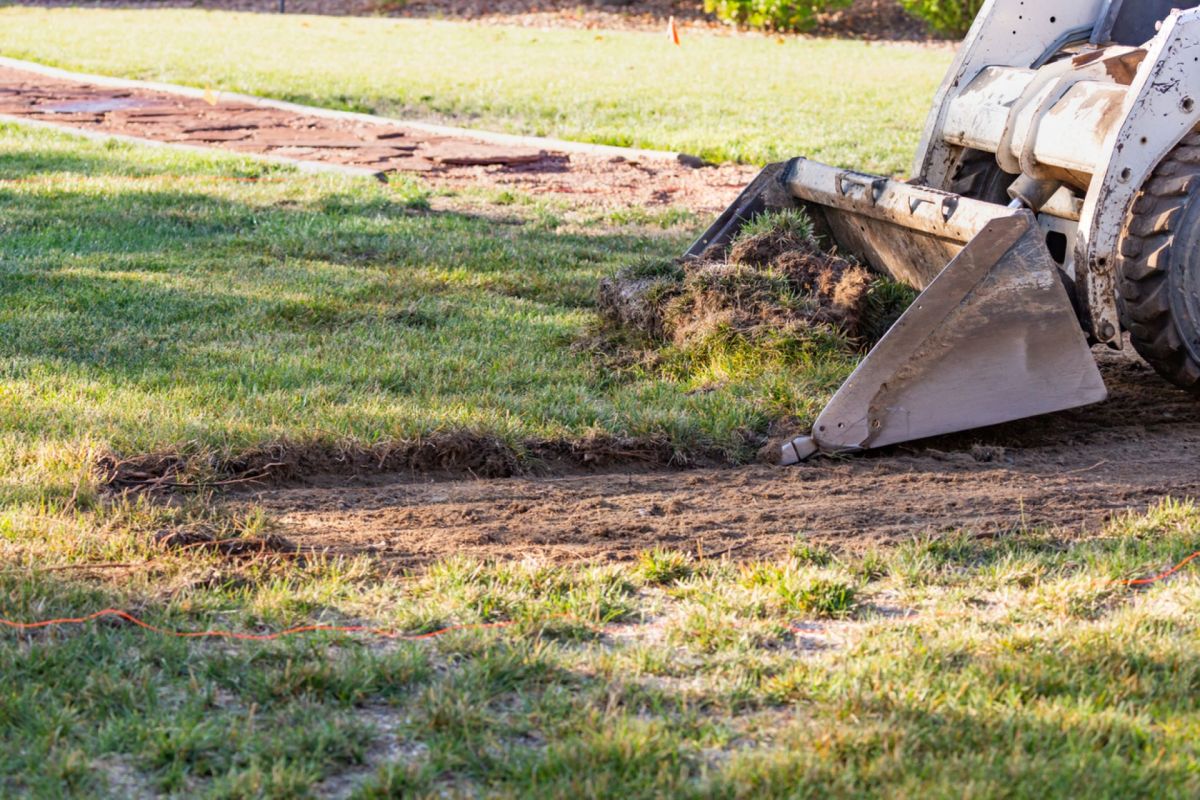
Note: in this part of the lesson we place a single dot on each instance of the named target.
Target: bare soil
(604, 181)
(1070, 471)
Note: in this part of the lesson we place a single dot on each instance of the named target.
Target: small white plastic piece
(798, 450)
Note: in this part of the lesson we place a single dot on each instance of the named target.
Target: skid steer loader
(1054, 205)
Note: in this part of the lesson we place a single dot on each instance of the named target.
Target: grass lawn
(152, 305)
(720, 96)
(150, 302)
(154, 302)
(951, 667)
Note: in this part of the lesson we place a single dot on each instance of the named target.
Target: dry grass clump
(776, 281)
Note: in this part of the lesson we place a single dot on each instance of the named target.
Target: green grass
(149, 304)
(663, 567)
(951, 667)
(153, 307)
(719, 96)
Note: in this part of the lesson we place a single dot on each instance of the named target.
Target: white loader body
(1049, 126)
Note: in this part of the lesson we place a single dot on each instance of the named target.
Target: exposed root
(238, 546)
(448, 455)
(636, 297)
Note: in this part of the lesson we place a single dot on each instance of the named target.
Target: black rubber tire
(979, 177)
(1158, 272)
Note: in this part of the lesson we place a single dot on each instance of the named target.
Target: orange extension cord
(1162, 576)
(382, 633)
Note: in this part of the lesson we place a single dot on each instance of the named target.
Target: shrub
(776, 15)
(947, 17)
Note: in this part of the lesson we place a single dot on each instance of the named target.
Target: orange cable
(1162, 576)
(390, 634)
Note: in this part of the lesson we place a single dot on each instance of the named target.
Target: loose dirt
(1071, 471)
(605, 181)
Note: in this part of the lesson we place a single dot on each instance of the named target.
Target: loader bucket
(992, 338)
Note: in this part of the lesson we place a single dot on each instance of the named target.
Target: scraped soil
(604, 181)
(1072, 471)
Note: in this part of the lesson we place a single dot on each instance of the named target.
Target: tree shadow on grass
(137, 282)
(74, 155)
(199, 714)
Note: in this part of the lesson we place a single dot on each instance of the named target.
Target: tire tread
(1145, 262)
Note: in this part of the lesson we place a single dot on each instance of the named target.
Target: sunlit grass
(602, 680)
(150, 305)
(719, 96)
(153, 306)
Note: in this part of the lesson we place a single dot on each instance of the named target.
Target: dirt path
(1072, 470)
(604, 180)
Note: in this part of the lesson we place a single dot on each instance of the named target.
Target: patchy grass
(1016, 667)
(811, 554)
(722, 97)
(664, 567)
(791, 224)
(150, 305)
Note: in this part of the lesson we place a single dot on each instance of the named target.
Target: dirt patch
(1073, 471)
(123, 778)
(184, 539)
(388, 746)
(879, 20)
(873, 20)
(439, 456)
(605, 181)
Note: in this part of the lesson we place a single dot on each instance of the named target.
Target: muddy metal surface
(596, 180)
(1071, 471)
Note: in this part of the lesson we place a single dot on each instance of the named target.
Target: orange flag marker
(673, 31)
